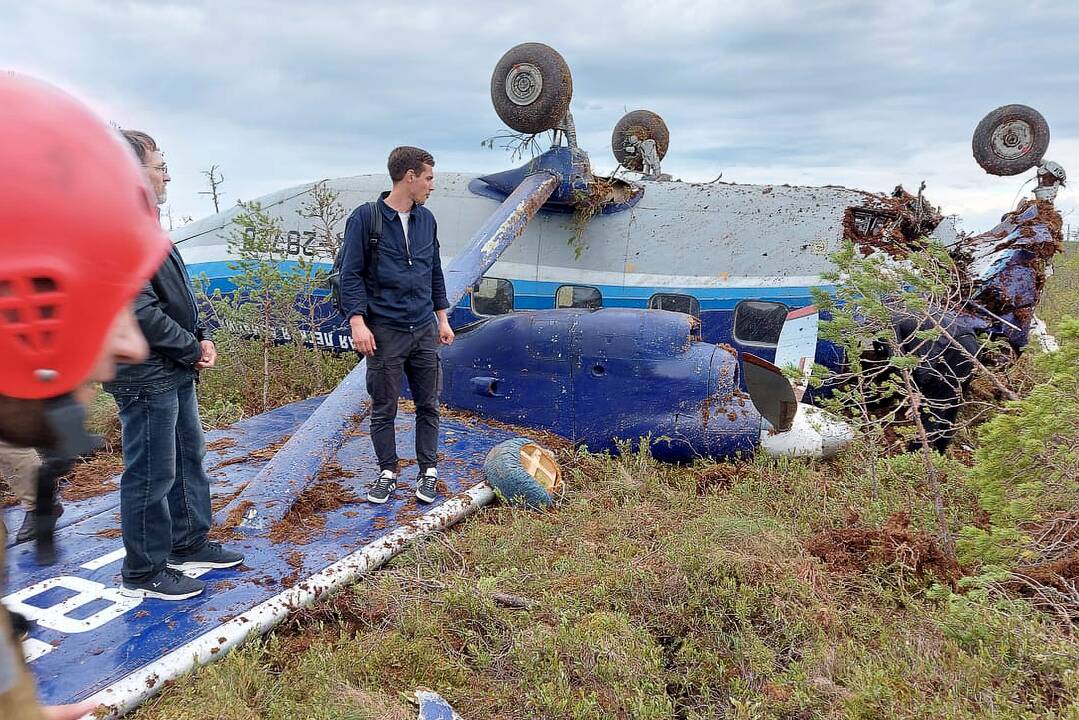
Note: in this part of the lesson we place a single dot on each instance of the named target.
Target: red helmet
(79, 237)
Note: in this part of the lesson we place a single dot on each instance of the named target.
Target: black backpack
(370, 259)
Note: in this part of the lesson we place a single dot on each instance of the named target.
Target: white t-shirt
(404, 223)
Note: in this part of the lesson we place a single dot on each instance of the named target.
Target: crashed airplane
(668, 315)
(731, 260)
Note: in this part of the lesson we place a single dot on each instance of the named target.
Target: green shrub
(1027, 462)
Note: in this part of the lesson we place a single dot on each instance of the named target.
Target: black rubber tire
(646, 123)
(506, 475)
(548, 108)
(992, 161)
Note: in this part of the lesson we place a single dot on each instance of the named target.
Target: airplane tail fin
(795, 427)
(797, 346)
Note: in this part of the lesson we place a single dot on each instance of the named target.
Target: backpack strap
(374, 237)
(376, 221)
(370, 257)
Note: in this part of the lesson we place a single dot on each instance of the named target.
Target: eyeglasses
(162, 167)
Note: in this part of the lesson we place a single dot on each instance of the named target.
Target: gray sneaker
(168, 584)
(209, 556)
(425, 486)
(380, 491)
(29, 523)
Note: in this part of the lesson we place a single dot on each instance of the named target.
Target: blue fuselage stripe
(539, 295)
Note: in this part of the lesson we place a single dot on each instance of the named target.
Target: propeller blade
(770, 392)
(797, 346)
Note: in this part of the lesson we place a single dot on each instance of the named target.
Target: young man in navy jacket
(394, 295)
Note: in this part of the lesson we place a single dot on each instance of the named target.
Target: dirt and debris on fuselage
(1002, 272)
(997, 282)
(895, 224)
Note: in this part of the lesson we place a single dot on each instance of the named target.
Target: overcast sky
(279, 93)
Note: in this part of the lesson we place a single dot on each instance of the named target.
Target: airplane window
(578, 296)
(675, 303)
(492, 296)
(758, 322)
(868, 222)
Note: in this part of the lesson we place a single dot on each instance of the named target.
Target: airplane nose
(814, 433)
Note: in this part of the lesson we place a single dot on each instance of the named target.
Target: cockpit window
(868, 223)
(492, 296)
(758, 322)
(578, 296)
(675, 303)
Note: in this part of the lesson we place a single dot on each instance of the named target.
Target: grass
(657, 593)
(668, 592)
(1062, 297)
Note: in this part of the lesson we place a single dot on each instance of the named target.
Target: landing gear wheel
(524, 473)
(531, 88)
(1010, 140)
(645, 124)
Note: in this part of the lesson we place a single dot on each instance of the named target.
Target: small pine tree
(884, 310)
(325, 210)
(269, 285)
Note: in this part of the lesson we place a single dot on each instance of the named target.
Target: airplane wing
(90, 639)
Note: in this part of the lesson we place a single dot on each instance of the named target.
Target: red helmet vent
(30, 311)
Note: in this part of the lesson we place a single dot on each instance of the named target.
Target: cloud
(279, 93)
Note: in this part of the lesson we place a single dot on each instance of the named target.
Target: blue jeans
(164, 491)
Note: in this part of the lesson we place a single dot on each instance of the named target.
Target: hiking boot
(425, 485)
(380, 491)
(29, 523)
(20, 626)
(169, 584)
(211, 555)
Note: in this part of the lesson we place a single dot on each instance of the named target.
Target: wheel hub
(1012, 140)
(524, 83)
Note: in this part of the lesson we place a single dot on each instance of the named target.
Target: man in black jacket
(393, 294)
(165, 492)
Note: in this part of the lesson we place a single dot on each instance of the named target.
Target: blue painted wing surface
(1006, 267)
(87, 636)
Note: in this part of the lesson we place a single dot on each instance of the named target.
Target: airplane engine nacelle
(602, 377)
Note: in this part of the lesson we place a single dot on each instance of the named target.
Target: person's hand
(362, 337)
(445, 332)
(209, 355)
(69, 712)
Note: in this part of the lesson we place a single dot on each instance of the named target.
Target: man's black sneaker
(20, 626)
(29, 523)
(211, 555)
(425, 485)
(380, 491)
(169, 584)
